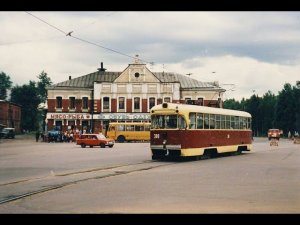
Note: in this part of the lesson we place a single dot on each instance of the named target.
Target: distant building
(10, 115)
(91, 101)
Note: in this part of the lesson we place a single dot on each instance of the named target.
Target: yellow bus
(129, 131)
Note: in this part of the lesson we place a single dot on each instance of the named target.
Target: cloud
(254, 50)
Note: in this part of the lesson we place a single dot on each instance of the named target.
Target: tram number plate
(156, 136)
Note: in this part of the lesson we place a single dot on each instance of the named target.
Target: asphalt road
(64, 178)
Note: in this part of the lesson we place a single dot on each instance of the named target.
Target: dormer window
(137, 75)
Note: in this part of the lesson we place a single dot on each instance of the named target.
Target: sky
(247, 52)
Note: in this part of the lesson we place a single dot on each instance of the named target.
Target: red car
(94, 140)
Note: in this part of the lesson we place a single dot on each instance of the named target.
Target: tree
(286, 110)
(5, 84)
(267, 109)
(44, 81)
(27, 97)
(296, 92)
(252, 106)
(232, 104)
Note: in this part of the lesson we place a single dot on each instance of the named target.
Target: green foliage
(270, 111)
(30, 96)
(44, 81)
(27, 97)
(5, 84)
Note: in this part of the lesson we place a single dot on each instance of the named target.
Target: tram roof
(201, 109)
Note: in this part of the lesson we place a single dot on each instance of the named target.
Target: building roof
(87, 81)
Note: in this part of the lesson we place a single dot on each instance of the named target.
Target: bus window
(139, 128)
(121, 128)
(111, 128)
(129, 127)
(192, 120)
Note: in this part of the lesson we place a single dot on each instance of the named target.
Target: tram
(183, 130)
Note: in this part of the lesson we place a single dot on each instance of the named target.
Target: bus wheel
(82, 145)
(121, 139)
(91, 146)
(102, 145)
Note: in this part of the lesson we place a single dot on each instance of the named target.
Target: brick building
(93, 100)
(10, 115)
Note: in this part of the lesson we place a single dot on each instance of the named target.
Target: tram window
(181, 122)
(218, 122)
(249, 123)
(206, 121)
(192, 120)
(227, 122)
(242, 123)
(237, 122)
(232, 122)
(171, 121)
(157, 122)
(212, 121)
(223, 122)
(199, 120)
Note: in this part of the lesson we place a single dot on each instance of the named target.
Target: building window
(72, 102)
(167, 99)
(106, 104)
(85, 102)
(59, 102)
(200, 101)
(121, 103)
(151, 102)
(136, 103)
(188, 100)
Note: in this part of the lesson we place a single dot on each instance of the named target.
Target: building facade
(91, 101)
(10, 115)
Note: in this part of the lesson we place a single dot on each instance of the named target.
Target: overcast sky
(247, 52)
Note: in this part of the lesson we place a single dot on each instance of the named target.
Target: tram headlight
(164, 142)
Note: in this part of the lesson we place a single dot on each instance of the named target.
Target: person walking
(37, 136)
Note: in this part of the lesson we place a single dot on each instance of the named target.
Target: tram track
(39, 185)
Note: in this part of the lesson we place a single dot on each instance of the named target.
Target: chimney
(70, 77)
(101, 69)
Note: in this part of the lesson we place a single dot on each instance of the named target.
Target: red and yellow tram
(189, 130)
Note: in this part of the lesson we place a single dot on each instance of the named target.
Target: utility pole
(92, 110)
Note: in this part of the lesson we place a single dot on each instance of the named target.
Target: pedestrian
(289, 135)
(37, 136)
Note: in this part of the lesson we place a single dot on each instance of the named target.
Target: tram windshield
(167, 122)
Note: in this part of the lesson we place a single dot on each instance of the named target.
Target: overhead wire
(86, 41)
